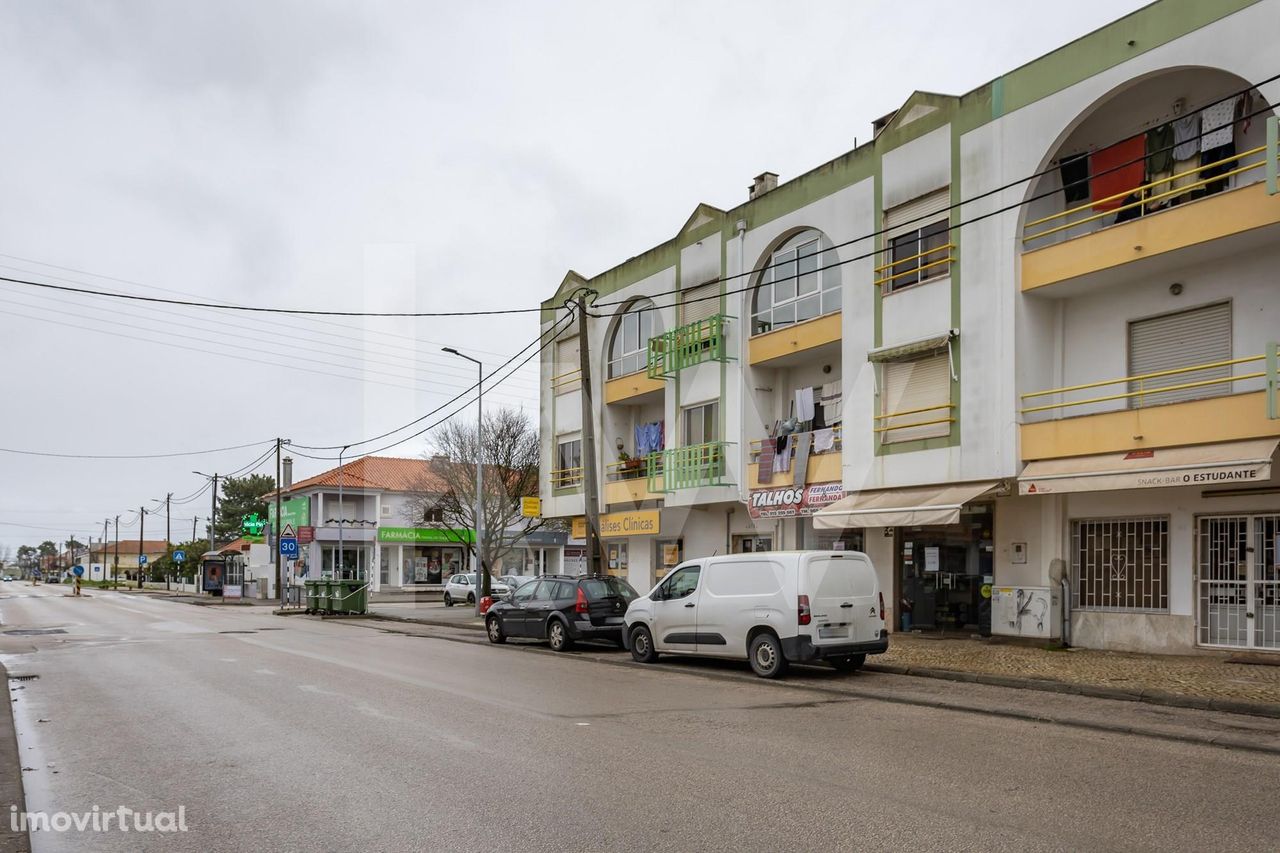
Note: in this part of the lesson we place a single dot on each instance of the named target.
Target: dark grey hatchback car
(561, 609)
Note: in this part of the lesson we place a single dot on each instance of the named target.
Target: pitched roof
(130, 546)
(387, 473)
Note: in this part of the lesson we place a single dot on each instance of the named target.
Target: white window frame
(561, 443)
(825, 292)
(639, 315)
(714, 414)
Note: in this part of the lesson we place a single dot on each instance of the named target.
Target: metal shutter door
(902, 218)
(911, 385)
(1185, 339)
(702, 309)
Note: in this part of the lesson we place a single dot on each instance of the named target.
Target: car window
(682, 583)
(525, 592)
(597, 588)
(543, 590)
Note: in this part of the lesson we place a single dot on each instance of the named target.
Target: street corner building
(374, 517)
(1019, 347)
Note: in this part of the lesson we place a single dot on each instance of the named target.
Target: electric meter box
(1026, 611)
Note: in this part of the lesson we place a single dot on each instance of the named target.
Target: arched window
(629, 349)
(794, 287)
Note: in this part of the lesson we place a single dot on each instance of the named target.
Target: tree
(166, 567)
(509, 453)
(27, 556)
(241, 496)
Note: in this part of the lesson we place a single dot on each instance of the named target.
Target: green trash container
(323, 597)
(313, 595)
(356, 597)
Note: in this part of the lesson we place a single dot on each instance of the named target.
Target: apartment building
(1015, 348)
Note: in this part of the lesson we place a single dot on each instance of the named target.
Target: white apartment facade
(951, 336)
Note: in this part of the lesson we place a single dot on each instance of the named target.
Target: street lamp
(479, 510)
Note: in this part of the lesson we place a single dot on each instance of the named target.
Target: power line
(129, 455)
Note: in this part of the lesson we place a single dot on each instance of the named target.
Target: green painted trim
(877, 199)
(997, 98)
(724, 362)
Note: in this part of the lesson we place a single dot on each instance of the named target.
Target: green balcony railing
(690, 344)
(688, 467)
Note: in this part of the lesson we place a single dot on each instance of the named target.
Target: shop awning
(1223, 463)
(938, 504)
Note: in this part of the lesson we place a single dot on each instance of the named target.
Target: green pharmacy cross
(253, 524)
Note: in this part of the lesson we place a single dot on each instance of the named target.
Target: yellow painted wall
(629, 491)
(1195, 422)
(1186, 225)
(631, 385)
(825, 468)
(795, 338)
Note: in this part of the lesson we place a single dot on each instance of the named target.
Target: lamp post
(479, 510)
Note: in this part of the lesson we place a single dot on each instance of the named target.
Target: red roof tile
(386, 473)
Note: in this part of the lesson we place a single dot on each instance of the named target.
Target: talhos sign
(789, 501)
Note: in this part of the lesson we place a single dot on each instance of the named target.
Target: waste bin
(313, 595)
(350, 597)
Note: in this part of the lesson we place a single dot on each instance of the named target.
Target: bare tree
(509, 453)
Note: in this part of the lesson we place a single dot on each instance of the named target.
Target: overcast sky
(380, 156)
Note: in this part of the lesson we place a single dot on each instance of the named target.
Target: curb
(11, 840)
(435, 623)
(1049, 685)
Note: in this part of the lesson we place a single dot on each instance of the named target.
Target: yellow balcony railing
(1147, 193)
(882, 427)
(919, 269)
(566, 478)
(1137, 397)
(562, 383)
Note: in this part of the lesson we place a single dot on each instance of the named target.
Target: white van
(770, 608)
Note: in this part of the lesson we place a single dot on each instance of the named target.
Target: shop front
(627, 541)
(422, 556)
(795, 507)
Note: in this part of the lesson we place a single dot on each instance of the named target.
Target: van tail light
(580, 606)
(803, 614)
(882, 606)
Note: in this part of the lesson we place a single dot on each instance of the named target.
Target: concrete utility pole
(115, 568)
(590, 485)
(105, 522)
(482, 584)
(279, 526)
(142, 530)
(168, 539)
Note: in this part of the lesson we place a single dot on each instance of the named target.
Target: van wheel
(448, 602)
(849, 663)
(766, 656)
(642, 645)
(558, 636)
(494, 629)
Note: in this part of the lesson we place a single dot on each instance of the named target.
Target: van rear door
(842, 596)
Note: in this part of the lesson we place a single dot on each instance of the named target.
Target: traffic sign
(288, 546)
(288, 532)
(78, 571)
(142, 559)
(179, 556)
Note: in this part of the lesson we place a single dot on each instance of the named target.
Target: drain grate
(23, 677)
(34, 632)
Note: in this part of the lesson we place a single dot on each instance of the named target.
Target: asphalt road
(289, 733)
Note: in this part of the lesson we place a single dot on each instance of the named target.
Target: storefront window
(616, 563)
(432, 564)
(670, 553)
(353, 564)
(942, 569)
(751, 544)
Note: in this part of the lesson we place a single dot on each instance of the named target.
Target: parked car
(463, 588)
(514, 582)
(770, 609)
(562, 609)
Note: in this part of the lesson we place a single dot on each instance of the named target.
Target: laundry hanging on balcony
(649, 438)
(830, 400)
(1117, 171)
(764, 462)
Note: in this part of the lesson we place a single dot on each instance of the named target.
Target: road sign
(306, 535)
(142, 559)
(78, 571)
(288, 532)
(179, 556)
(289, 546)
(531, 507)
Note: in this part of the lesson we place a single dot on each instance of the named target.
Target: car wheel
(558, 636)
(493, 627)
(471, 599)
(642, 645)
(766, 656)
(849, 663)
(448, 602)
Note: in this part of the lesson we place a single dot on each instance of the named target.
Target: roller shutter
(1172, 341)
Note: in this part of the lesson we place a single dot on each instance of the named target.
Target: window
(921, 391)
(701, 424)
(794, 287)
(700, 303)
(682, 583)
(1120, 563)
(915, 234)
(566, 372)
(568, 464)
(1173, 341)
(525, 593)
(629, 350)
(433, 515)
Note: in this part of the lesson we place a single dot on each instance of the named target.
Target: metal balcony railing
(690, 344)
(688, 467)
(896, 270)
(566, 478)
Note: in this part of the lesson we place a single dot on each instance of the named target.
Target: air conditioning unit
(1026, 611)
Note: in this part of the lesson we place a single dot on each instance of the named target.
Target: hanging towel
(782, 460)
(1075, 178)
(1117, 171)
(1217, 124)
(1217, 155)
(764, 462)
(1185, 172)
(804, 404)
(1159, 149)
(803, 442)
(823, 440)
(1186, 136)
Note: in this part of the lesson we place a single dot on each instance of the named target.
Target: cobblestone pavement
(1207, 675)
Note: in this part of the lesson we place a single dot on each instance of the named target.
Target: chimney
(764, 182)
(287, 464)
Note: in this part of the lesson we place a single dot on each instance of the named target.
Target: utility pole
(115, 569)
(196, 562)
(213, 516)
(590, 485)
(168, 539)
(142, 530)
(105, 522)
(279, 527)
